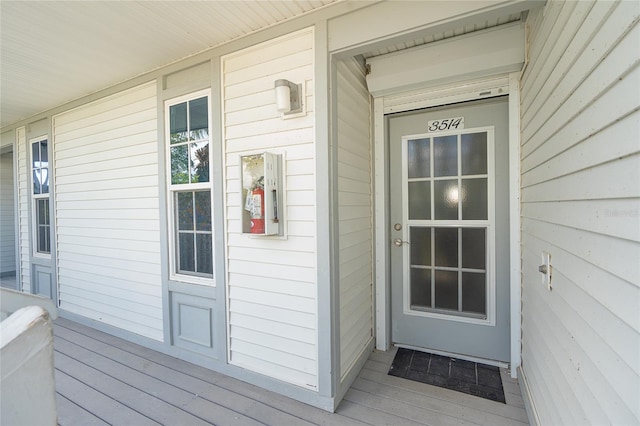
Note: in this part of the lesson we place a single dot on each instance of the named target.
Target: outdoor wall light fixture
(288, 97)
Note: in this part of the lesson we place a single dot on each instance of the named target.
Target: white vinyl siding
(7, 216)
(355, 214)
(24, 195)
(271, 281)
(580, 203)
(107, 211)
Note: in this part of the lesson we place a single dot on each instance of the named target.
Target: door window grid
(417, 175)
(463, 306)
(188, 170)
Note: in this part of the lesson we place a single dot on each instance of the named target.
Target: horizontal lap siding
(271, 280)
(355, 221)
(107, 211)
(580, 203)
(23, 210)
(7, 216)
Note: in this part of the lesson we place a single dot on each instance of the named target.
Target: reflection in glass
(420, 295)
(37, 187)
(186, 258)
(418, 154)
(474, 153)
(419, 200)
(198, 119)
(178, 123)
(474, 294)
(445, 156)
(446, 246)
(42, 226)
(44, 179)
(179, 164)
(473, 248)
(185, 211)
(44, 153)
(204, 258)
(420, 245)
(43, 212)
(199, 155)
(474, 199)
(446, 199)
(203, 210)
(35, 155)
(446, 290)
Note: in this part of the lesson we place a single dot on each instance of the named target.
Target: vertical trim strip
(514, 221)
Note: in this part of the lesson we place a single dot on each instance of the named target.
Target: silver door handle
(398, 242)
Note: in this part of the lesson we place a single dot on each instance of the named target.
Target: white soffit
(486, 53)
(52, 52)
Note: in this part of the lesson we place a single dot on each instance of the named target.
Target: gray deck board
(74, 415)
(102, 379)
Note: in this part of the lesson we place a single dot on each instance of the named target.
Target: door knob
(398, 242)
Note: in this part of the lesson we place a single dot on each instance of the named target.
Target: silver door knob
(398, 242)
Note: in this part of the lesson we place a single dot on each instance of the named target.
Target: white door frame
(467, 91)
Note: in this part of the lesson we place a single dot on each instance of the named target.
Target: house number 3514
(446, 124)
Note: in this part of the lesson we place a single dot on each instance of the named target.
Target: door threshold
(493, 362)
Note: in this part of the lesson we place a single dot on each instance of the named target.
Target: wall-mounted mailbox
(261, 194)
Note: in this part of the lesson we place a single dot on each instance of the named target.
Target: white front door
(450, 229)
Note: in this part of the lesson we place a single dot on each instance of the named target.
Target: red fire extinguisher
(257, 210)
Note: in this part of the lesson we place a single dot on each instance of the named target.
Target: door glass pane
(178, 122)
(420, 296)
(199, 119)
(199, 162)
(203, 211)
(473, 248)
(445, 199)
(420, 246)
(418, 154)
(474, 294)
(185, 211)
(445, 156)
(186, 255)
(179, 164)
(420, 200)
(203, 249)
(474, 153)
(446, 247)
(446, 290)
(474, 199)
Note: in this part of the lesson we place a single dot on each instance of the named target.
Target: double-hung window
(40, 195)
(189, 188)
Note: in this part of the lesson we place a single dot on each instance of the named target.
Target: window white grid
(40, 193)
(193, 182)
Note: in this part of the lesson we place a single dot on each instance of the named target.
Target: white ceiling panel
(52, 52)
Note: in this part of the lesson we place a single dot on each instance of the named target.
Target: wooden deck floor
(101, 379)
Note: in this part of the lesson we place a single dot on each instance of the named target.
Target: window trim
(173, 189)
(36, 197)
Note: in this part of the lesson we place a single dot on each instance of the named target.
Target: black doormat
(451, 373)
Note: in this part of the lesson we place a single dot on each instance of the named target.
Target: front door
(450, 229)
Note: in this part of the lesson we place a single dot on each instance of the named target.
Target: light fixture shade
(283, 96)
(289, 98)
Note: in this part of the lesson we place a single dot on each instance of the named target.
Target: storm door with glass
(444, 246)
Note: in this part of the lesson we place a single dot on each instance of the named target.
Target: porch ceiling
(52, 52)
